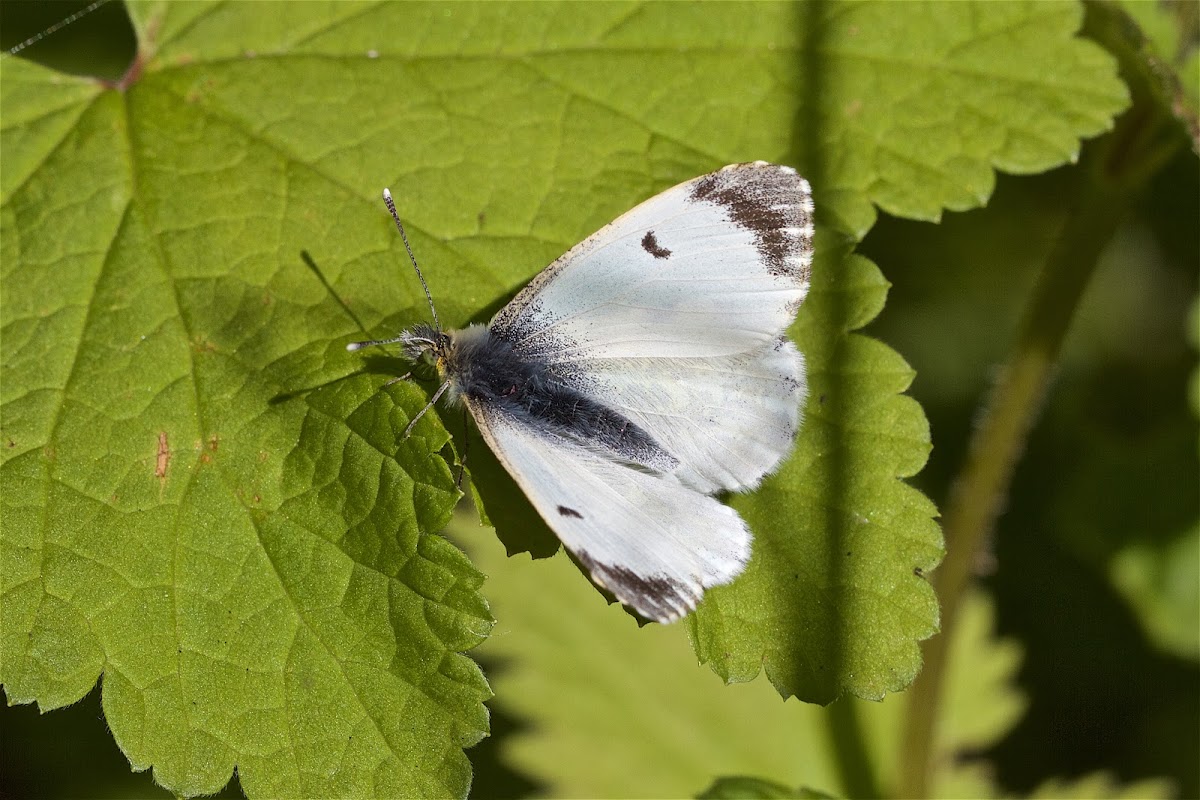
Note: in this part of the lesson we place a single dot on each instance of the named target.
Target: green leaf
(1103, 786)
(918, 107)
(205, 499)
(192, 473)
(589, 690)
(745, 788)
(1159, 581)
(979, 705)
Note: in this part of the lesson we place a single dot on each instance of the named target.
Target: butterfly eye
(428, 359)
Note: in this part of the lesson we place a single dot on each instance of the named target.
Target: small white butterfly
(643, 372)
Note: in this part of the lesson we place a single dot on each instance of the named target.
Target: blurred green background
(1094, 570)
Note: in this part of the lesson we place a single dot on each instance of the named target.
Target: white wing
(728, 420)
(653, 542)
(674, 314)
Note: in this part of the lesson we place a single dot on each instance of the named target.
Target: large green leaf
(206, 500)
(195, 504)
(917, 106)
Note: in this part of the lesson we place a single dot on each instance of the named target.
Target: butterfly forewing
(675, 315)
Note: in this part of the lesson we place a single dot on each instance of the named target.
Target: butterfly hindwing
(728, 420)
(653, 542)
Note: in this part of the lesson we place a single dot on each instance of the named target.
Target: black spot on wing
(650, 245)
(569, 512)
(772, 202)
(655, 597)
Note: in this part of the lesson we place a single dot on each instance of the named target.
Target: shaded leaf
(980, 704)
(1103, 786)
(592, 690)
(744, 788)
(1159, 581)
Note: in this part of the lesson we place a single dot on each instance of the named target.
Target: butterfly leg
(403, 377)
(436, 396)
(462, 463)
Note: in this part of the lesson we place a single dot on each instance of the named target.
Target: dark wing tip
(771, 201)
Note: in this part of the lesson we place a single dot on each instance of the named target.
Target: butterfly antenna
(54, 28)
(387, 198)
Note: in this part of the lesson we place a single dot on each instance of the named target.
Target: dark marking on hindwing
(566, 511)
(773, 203)
(655, 597)
(650, 245)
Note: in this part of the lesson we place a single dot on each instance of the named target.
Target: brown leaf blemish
(164, 456)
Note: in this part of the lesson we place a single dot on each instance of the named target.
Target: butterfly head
(425, 345)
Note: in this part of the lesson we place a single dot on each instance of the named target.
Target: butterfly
(642, 373)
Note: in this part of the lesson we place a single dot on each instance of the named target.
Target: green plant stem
(855, 766)
(1115, 167)
(979, 492)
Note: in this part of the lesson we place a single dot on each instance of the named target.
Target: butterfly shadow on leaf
(374, 363)
(499, 501)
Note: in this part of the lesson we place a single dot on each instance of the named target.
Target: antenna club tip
(387, 194)
(354, 346)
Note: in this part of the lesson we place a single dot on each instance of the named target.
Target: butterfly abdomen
(489, 372)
